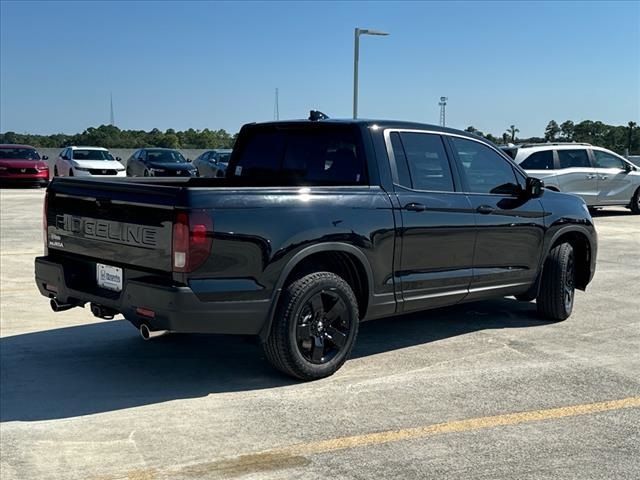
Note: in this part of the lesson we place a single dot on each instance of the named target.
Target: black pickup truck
(317, 226)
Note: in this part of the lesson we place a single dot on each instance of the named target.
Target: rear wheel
(55, 172)
(635, 202)
(557, 288)
(315, 327)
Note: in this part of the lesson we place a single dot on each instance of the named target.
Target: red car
(22, 164)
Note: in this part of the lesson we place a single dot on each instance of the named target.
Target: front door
(438, 225)
(616, 184)
(510, 227)
(576, 175)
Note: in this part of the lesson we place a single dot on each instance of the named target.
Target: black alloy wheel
(314, 327)
(323, 327)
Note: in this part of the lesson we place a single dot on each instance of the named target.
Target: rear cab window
(299, 155)
(422, 161)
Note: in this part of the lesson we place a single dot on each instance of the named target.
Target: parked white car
(601, 177)
(87, 161)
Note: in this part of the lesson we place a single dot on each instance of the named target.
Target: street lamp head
(366, 31)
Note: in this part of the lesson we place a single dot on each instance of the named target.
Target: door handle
(485, 209)
(604, 177)
(591, 177)
(415, 207)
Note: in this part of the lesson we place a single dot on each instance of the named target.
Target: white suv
(87, 161)
(601, 177)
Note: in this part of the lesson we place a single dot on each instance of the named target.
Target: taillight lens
(44, 223)
(192, 239)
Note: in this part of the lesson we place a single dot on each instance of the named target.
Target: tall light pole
(356, 55)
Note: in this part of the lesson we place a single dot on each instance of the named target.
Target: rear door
(616, 185)
(577, 175)
(510, 228)
(437, 232)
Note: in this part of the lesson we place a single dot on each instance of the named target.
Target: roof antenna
(315, 115)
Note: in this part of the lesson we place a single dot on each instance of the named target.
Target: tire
(557, 288)
(635, 202)
(55, 172)
(71, 172)
(146, 173)
(304, 343)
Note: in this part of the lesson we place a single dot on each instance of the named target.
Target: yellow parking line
(295, 455)
(389, 436)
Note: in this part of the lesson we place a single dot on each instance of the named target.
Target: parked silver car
(601, 177)
(213, 163)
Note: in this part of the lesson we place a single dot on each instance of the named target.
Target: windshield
(19, 153)
(91, 155)
(165, 156)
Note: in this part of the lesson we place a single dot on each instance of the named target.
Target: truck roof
(370, 123)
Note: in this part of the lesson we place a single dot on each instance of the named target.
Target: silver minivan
(601, 177)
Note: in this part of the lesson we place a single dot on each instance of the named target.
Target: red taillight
(44, 223)
(192, 239)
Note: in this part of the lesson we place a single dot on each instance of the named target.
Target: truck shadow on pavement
(102, 367)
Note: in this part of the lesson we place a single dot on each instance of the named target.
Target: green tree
(631, 126)
(552, 131)
(512, 130)
(567, 130)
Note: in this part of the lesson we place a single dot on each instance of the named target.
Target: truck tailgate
(118, 223)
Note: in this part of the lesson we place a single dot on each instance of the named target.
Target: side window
(539, 161)
(573, 158)
(142, 155)
(606, 160)
(428, 163)
(404, 178)
(485, 170)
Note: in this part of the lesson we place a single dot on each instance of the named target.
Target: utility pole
(112, 119)
(443, 106)
(276, 108)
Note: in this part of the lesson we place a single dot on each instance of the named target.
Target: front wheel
(635, 202)
(557, 288)
(315, 327)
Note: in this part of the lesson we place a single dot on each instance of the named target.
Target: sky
(216, 65)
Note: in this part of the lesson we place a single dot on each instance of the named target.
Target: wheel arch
(583, 248)
(342, 259)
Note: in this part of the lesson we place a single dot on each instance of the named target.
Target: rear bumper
(176, 308)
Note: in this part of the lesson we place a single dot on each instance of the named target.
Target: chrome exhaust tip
(148, 334)
(60, 307)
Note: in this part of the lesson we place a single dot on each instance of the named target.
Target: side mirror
(534, 187)
(119, 159)
(627, 167)
(189, 160)
(45, 157)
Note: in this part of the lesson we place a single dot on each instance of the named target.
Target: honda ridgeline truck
(316, 227)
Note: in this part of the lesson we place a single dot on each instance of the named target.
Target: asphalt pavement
(482, 390)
